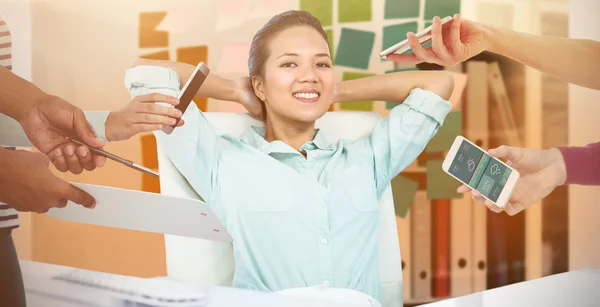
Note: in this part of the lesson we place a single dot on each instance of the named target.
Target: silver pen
(118, 159)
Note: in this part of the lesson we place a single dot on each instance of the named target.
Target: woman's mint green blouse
(296, 221)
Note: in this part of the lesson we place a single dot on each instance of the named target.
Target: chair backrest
(209, 262)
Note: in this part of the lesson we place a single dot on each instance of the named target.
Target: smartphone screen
(480, 171)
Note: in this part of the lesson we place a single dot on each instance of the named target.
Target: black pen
(117, 159)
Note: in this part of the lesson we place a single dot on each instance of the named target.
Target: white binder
(144, 211)
(477, 123)
(421, 247)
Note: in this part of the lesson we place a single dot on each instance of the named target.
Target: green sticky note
(441, 8)
(445, 136)
(330, 39)
(356, 105)
(391, 104)
(365, 106)
(354, 48)
(349, 75)
(440, 185)
(354, 10)
(401, 9)
(397, 33)
(404, 191)
(321, 9)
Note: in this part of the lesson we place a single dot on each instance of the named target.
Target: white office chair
(209, 262)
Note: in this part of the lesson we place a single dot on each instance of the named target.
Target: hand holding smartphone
(188, 92)
(473, 166)
(423, 37)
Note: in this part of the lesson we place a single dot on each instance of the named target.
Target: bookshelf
(539, 105)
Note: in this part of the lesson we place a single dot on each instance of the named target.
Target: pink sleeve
(583, 164)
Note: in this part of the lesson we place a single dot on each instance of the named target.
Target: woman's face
(298, 76)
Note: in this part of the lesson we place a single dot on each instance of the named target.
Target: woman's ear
(258, 86)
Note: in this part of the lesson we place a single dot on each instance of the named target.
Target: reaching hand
(541, 172)
(49, 121)
(453, 43)
(249, 100)
(27, 184)
(142, 114)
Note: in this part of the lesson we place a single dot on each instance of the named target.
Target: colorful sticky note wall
(356, 105)
(354, 10)
(445, 136)
(401, 9)
(441, 8)
(404, 191)
(440, 185)
(321, 9)
(354, 48)
(149, 36)
(391, 104)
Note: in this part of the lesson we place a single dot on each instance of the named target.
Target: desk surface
(42, 290)
(576, 288)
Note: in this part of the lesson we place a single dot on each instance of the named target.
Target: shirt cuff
(98, 121)
(152, 79)
(429, 104)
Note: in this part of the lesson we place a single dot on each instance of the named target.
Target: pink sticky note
(234, 58)
(179, 20)
(232, 14)
(460, 82)
(267, 8)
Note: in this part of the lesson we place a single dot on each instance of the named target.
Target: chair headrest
(334, 125)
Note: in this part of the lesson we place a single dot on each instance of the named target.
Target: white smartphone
(423, 37)
(188, 92)
(473, 166)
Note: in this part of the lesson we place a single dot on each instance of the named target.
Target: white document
(144, 211)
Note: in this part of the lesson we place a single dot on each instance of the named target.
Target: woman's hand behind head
(248, 99)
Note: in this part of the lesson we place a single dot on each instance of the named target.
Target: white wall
(584, 128)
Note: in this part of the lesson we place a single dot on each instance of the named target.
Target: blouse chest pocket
(255, 190)
(359, 184)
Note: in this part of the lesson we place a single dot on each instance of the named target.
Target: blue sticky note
(354, 48)
(441, 8)
(397, 33)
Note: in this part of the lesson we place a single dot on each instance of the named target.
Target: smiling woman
(302, 212)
